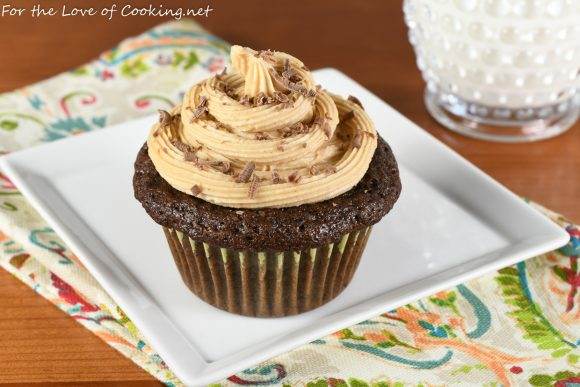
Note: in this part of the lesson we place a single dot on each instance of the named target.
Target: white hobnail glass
(504, 70)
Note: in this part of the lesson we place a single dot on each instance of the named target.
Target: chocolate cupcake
(266, 186)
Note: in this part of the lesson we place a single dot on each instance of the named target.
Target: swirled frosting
(262, 135)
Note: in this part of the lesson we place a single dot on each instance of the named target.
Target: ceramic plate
(452, 223)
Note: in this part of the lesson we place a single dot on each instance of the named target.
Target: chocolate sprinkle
(246, 173)
(354, 99)
(253, 187)
(195, 190)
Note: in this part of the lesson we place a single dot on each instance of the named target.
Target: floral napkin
(519, 325)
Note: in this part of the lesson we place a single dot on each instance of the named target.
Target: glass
(503, 70)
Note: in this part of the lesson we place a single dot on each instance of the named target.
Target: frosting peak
(263, 135)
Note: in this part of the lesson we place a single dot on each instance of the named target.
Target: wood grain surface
(365, 39)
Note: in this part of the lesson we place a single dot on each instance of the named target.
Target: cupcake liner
(267, 283)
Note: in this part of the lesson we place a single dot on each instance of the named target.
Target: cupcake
(266, 186)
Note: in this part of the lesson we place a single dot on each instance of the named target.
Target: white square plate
(452, 223)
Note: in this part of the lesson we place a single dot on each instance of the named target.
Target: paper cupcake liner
(267, 283)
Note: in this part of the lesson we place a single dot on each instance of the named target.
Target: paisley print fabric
(517, 326)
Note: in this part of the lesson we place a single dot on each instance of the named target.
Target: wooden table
(365, 39)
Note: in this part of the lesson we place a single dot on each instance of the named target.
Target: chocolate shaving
(262, 99)
(200, 109)
(266, 55)
(296, 87)
(253, 186)
(202, 101)
(347, 116)
(222, 166)
(286, 105)
(222, 74)
(327, 129)
(354, 99)
(246, 100)
(294, 177)
(195, 190)
(295, 129)
(281, 97)
(246, 173)
(311, 93)
(276, 179)
(318, 121)
(176, 119)
(165, 118)
(322, 168)
(357, 140)
(180, 145)
(190, 157)
(262, 136)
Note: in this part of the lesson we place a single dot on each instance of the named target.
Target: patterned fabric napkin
(520, 325)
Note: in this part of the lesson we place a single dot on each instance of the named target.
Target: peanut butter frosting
(262, 135)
